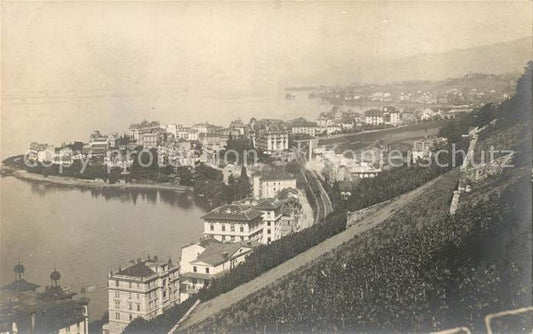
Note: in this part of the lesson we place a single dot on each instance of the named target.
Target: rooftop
(373, 113)
(233, 212)
(217, 252)
(269, 204)
(20, 285)
(277, 176)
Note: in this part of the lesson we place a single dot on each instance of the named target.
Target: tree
(244, 187)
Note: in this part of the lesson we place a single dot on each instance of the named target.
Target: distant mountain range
(497, 58)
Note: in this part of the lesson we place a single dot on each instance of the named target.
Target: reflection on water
(182, 199)
(89, 231)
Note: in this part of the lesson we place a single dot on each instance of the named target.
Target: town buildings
(41, 152)
(145, 288)
(208, 259)
(234, 223)
(268, 185)
(137, 130)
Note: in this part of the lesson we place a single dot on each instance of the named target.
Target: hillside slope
(411, 266)
(219, 307)
(494, 58)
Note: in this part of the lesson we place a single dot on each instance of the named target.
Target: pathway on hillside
(226, 300)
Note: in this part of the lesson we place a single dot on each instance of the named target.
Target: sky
(68, 67)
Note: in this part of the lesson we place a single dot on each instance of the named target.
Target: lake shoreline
(82, 183)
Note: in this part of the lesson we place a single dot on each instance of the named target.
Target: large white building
(234, 223)
(391, 116)
(208, 259)
(270, 184)
(273, 141)
(137, 130)
(145, 288)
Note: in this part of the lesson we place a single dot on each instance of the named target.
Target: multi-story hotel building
(137, 130)
(271, 141)
(146, 288)
(272, 214)
(270, 184)
(234, 223)
(208, 259)
(374, 117)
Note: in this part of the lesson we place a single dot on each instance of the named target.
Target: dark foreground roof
(139, 269)
(20, 285)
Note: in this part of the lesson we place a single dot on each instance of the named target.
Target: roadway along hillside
(212, 307)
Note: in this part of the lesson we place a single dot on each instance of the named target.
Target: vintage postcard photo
(266, 167)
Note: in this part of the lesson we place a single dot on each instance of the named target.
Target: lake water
(88, 232)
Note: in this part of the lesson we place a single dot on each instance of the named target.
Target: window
(116, 282)
(223, 228)
(138, 307)
(268, 223)
(131, 317)
(268, 240)
(129, 285)
(268, 231)
(117, 294)
(138, 296)
(194, 269)
(129, 295)
(117, 304)
(242, 229)
(130, 306)
(117, 315)
(212, 227)
(207, 270)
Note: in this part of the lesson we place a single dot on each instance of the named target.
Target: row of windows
(130, 295)
(231, 228)
(195, 269)
(130, 306)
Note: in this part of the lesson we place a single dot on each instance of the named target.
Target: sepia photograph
(183, 167)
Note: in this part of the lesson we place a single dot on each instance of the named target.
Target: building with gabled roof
(234, 223)
(208, 259)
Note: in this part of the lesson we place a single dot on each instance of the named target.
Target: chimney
(225, 255)
(32, 325)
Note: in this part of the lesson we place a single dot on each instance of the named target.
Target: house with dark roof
(143, 289)
(233, 223)
(208, 259)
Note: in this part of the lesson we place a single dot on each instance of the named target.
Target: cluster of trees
(402, 277)
(386, 186)
(208, 183)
